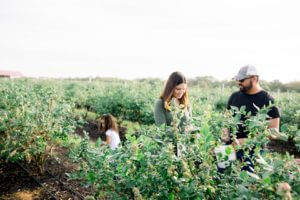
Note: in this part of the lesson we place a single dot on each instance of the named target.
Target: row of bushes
(32, 117)
(149, 166)
(134, 100)
(127, 100)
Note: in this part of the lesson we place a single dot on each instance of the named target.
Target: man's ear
(254, 79)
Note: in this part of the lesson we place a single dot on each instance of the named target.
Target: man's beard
(247, 88)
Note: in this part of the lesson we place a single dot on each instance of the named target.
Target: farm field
(50, 145)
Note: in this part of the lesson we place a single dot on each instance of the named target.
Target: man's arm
(274, 115)
(274, 123)
(274, 126)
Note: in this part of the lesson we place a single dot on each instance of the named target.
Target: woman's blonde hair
(110, 122)
(176, 78)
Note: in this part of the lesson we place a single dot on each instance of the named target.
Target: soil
(92, 129)
(282, 147)
(17, 184)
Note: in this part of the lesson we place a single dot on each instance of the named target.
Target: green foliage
(209, 82)
(176, 162)
(124, 102)
(290, 116)
(294, 86)
(32, 117)
(166, 163)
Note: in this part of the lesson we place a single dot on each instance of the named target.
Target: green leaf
(171, 196)
(297, 188)
(242, 189)
(91, 177)
(228, 150)
(98, 143)
(267, 180)
(244, 175)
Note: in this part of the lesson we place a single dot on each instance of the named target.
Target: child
(108, 124)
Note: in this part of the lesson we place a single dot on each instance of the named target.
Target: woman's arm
(190, 110)
(159, 113)
(108, 135)
(107, 139)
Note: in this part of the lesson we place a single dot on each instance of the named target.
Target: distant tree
(203, 81)
(230, 83)
(293, 86)
(277, 85)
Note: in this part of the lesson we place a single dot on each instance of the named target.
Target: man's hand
(238, 142)
(190, 129)
(274, 134)
(225, 136)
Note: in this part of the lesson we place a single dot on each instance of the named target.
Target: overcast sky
(138, 38)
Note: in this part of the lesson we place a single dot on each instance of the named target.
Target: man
(250, 95)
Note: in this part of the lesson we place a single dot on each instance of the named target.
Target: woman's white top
(114, 138)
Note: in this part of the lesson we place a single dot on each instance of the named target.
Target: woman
(175, 91)
(108, 124)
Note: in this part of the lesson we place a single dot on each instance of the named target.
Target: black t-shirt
(260, 99)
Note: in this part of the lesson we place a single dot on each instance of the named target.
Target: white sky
(138, 38)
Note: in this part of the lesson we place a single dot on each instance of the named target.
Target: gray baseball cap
(245, 72)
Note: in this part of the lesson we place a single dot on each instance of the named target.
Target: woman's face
(102, 125)
(179, 90)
